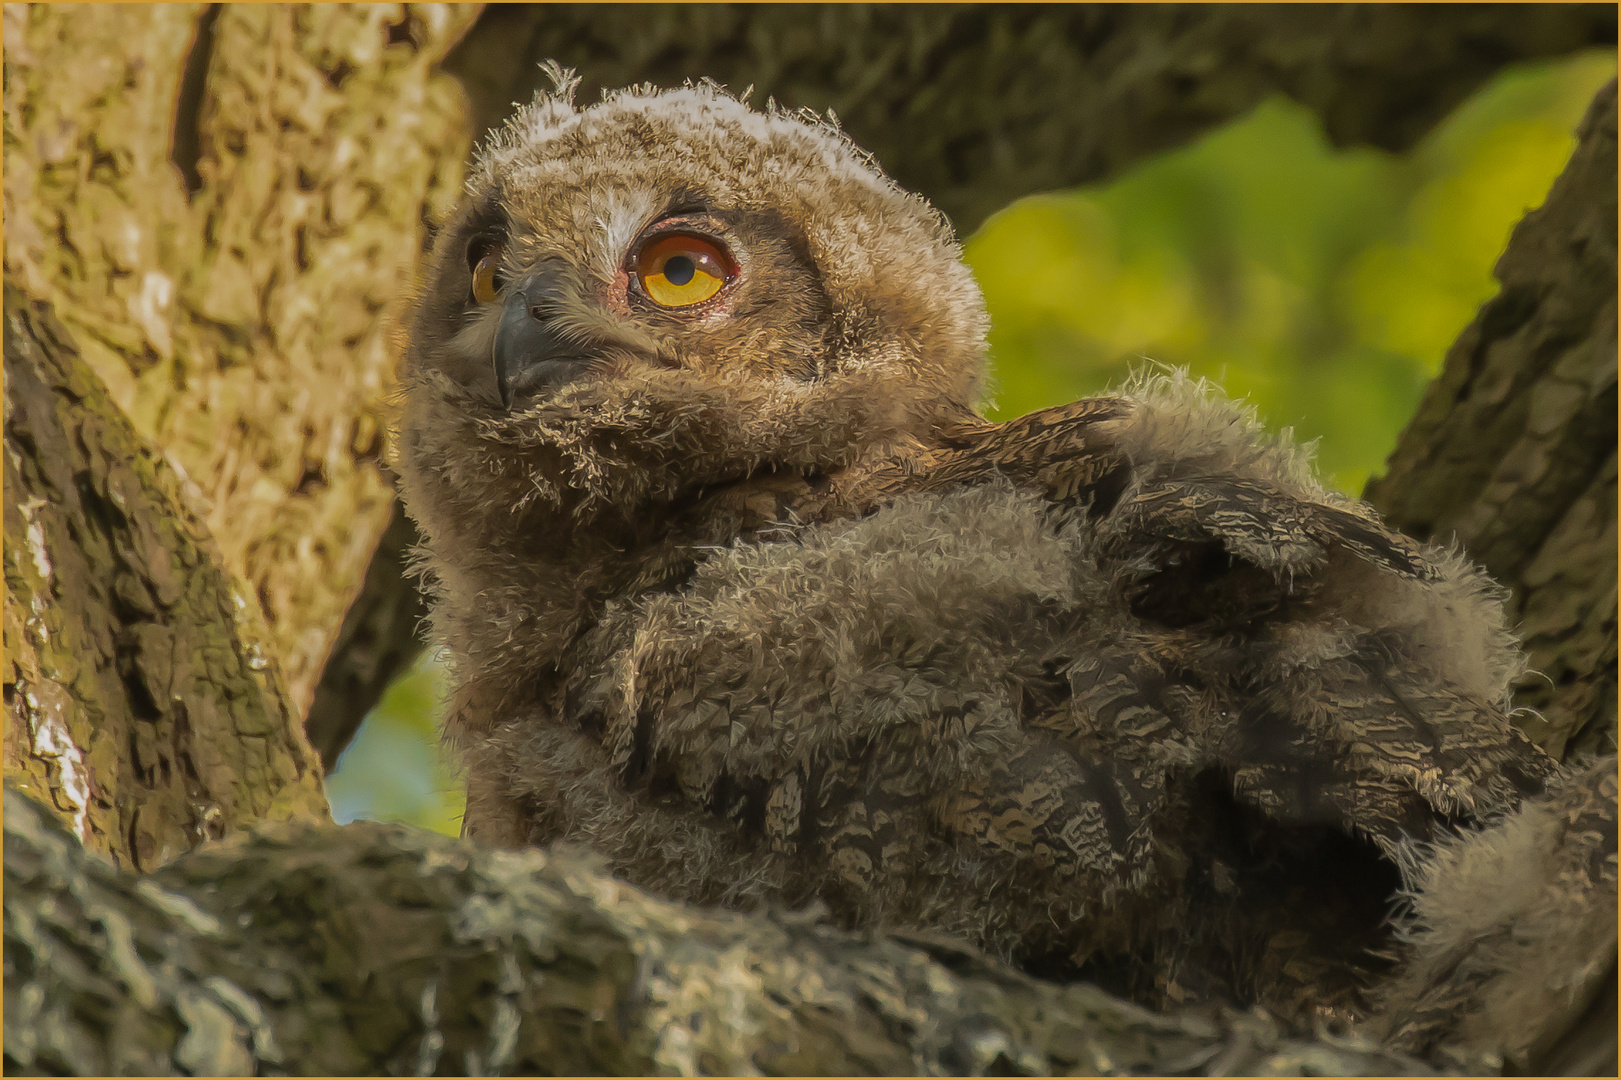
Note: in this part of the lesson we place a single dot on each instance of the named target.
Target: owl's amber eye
(679, 270)
(485, 265)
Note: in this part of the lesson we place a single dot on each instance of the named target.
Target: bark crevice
(122, 628)
(186, 146)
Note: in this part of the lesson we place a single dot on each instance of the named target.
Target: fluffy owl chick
(738, 588)
(636, 305)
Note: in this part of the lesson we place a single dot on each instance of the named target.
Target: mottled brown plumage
(1512, 937)
(749, 597)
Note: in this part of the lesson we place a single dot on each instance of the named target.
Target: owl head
(667, 291)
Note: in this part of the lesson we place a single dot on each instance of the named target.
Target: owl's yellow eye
(680, 270)
(484, 287)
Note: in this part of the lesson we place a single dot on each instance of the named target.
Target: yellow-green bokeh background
(1324, 285)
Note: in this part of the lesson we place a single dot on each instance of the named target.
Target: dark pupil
(679, 270)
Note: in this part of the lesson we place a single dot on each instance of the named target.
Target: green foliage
(1324, 285)
(394, 770)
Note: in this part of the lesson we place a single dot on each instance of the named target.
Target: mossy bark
(143, 696)
(377, 949)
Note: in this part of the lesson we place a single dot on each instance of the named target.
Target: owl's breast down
(1119, 680)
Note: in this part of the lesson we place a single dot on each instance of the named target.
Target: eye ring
(484, 260)
(683, 269)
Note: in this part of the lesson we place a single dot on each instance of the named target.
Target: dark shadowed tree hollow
(205, 591)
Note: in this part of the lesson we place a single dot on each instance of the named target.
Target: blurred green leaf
(1324, 285)
(394, 770)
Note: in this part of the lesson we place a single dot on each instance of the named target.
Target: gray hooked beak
(531, 355)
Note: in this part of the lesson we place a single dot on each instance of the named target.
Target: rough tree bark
(224, 206)
(1512, 450)
(209, 211)
(143, 700)
(433, 957)
(976, 106)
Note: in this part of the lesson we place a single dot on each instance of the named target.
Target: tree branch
(379, 639)
(975, 105)
(378, 949)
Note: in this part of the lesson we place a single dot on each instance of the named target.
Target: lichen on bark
(377, 949)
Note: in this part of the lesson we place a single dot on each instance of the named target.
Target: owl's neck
(513, 619)
(622, 488)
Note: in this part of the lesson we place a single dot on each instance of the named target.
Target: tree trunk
(224, 206)
(1512, 451)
